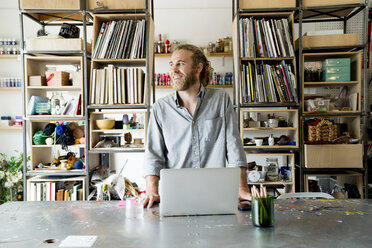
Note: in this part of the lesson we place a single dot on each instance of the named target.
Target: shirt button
(194, 137)
(193, 122)
(196, 153)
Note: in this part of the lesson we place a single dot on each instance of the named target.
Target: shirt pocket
(211, 129)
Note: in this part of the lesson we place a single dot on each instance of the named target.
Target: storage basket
(323, 131)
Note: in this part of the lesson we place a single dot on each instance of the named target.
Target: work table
(298, 223)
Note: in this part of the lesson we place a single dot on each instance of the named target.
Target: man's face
(181, 71)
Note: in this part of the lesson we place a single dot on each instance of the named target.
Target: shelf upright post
(365, 99)
(300, 79)
(86, 100)
(23, 104)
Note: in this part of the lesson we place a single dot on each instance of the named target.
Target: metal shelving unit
(45, 18)
(104, 154)
(325, 14)
(237, 14)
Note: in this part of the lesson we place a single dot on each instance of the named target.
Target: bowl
(258, 142)
(105, 124)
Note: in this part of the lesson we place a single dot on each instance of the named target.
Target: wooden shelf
(267, 59)
(11, 128)
(209, 54)
(269, 128)
(62, 88)
(9, 56)
(10, 88)
(163, 54)
(270, 147)
(330, 83)
(272, 183)
(116, 130)
(220, 54)
(119, 60)
(209, 86)
(51, 146)
(119, 149)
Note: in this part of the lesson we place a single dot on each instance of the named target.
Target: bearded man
(195, 127)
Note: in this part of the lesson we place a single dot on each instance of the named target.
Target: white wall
(10, 101)
(197, 22)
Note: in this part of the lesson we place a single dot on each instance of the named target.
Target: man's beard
(186, 83)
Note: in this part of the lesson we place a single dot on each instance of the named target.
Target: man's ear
(199, 68)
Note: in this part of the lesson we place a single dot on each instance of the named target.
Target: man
(193, 128)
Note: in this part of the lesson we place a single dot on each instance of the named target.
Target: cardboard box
(38, 44)
(331, 40)
(334, 156)
(115, 4)
(313, 3)
(50, 4)
(264, 4)
(57, 78)
(36, 81)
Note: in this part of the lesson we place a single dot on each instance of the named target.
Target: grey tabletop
(298, 223)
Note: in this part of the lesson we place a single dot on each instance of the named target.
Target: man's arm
(154, 159)
(152, 191)
(235, 154)
(244, 192)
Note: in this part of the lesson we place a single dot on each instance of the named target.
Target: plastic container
(317, 105)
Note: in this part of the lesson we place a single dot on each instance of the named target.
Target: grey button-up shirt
(176, 139)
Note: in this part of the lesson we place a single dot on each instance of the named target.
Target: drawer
(336, 77)
(337, 69)
(336, 62)
(334, 156)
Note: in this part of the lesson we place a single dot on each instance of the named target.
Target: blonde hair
(198, 56)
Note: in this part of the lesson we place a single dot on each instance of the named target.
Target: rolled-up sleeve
(235, 154)
(155, 147)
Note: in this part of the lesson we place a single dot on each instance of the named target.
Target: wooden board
(50, 4)
(334, 156)
(266, 4)
(314, 3)
(115, 4)
(331, 40)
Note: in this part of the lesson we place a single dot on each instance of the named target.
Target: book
(99, 40)
(80, 194)
(33, 191)
(93, 90)
(53, 191)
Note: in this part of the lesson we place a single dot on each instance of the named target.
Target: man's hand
(244, 192)
(152, 195)
(150, 200)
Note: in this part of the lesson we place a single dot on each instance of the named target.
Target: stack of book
(118, 85)
(265, 38)
(56, 191)
(268, 83)
(124, 39)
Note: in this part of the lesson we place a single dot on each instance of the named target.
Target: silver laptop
(199, 191)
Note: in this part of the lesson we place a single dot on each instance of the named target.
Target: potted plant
(11, 177)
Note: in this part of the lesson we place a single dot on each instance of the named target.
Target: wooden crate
(56, 45)
(334, 156)
(50, 4)
(265, 4)
(331, 40)
(115, 4)
(313, 3)
(353, 178)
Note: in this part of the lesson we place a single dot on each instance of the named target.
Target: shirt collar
(200, 95)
